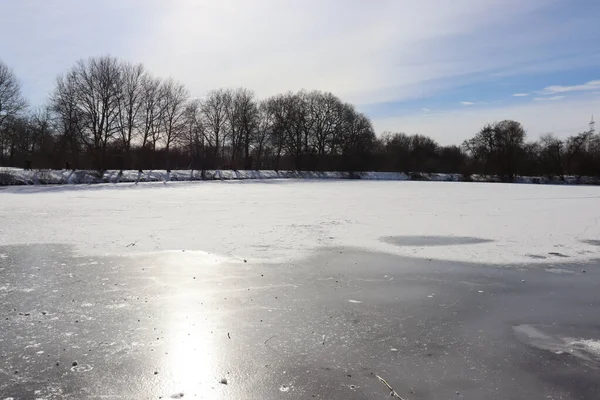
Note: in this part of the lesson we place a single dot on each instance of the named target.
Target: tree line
(105, 113)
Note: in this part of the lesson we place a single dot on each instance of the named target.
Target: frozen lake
(300, 289)
(284, 220)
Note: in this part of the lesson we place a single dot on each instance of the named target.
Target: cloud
(553, 98)
(425, 109)
(380, 51)
(588, 86)
(467, 103)
(520, 94)
(383, 51)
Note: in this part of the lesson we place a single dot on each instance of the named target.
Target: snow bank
(286, 219)
(17, 176)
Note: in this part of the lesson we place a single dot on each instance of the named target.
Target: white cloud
(588, 86)
(562, 118)
(425, 110)
(467, 103)
(366, 52)
(520, 94)
(553, 98)
(379, 51)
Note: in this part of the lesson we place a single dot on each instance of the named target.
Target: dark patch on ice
(556, 254)
(537, 256)
(592, 242)
(433, 240)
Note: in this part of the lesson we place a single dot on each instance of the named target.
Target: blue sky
(436, 67)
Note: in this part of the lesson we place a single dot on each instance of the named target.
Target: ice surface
(283, 220)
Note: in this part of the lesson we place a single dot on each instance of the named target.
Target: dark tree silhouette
(106, 113)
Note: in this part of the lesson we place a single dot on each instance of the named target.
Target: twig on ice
(393, 393)
(266, 341)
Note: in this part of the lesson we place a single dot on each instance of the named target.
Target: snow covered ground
(18, 176)
(286, 219)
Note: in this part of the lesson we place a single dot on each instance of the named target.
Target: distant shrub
(417, 176)
(44, 176)
(353, 175)
(6, 178)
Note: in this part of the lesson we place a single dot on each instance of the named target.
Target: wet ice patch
(190, 258)
(558, 271)
(433, 240)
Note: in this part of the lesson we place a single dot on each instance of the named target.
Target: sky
(435, 67)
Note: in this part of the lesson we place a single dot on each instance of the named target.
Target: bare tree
(42, 130)
(326, 113)
(173, 98)
(12, 102)
(150, 113)
(295, 112)
(130, 105)
(214, 119)
(552, 155)
(281, 108)
(242, 116)
(63, 105)
(264, 130)
(357, 136)
(576, 151)
(95, 87)
(12, 105)
(498, 147)
(193, 134)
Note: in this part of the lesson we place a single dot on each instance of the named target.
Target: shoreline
(20, 177)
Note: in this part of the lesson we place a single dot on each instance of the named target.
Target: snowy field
(287, 219)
